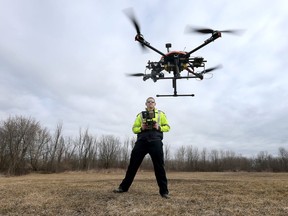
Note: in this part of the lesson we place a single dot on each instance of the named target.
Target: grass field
(90, 193)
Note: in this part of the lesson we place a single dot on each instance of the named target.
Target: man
(149, 127)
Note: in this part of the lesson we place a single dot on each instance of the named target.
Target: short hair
(150, 98)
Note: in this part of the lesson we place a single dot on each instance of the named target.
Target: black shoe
(119, 190)
(165, 196)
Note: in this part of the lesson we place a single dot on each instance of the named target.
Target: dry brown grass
(90, 193)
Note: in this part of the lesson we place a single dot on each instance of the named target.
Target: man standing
(149, 127)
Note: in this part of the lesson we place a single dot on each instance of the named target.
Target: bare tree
(192, 158)
(87, 147)
(17, 135)
(36, 149)
(70, 158)
(4, 160)
(109, 151)
(214, 158)
(180, 158)
(55, 150)
(228, 161)
(167, 152)
(167, 156)
(263, 161)
(203, 160)
(283, 157)
(125, 152)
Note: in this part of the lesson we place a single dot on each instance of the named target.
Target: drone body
(175, 62)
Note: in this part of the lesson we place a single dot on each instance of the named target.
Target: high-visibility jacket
(154, 134)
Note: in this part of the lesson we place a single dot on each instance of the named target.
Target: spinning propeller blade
(190, 29)
(130, 14)
(211, 69)
(136, 74)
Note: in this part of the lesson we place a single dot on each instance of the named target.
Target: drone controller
(148, 118)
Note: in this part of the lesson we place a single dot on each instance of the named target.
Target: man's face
(150, 103)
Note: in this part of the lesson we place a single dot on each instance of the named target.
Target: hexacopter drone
(175, 61)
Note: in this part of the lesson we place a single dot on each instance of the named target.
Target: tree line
(26, 146)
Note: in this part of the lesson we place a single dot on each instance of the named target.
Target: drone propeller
(211, 69)
(145, 76)
(190, 29)
(136, 74)
(130, 14)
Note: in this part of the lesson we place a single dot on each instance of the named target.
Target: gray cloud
(65, 61)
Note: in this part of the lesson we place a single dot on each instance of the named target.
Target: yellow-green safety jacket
(154, 134)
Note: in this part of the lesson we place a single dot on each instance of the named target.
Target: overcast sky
(64, 61)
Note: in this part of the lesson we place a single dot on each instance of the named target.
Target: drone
(175, 62)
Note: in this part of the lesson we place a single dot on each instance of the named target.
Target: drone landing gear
(175, 89)
(176, 95)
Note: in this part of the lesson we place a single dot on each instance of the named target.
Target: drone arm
(141, 40)
(214, 36)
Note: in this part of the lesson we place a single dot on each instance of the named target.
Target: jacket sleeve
(164, 125)
(137, 124)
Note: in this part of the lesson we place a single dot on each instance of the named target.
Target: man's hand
(144, 126)
(156, 126)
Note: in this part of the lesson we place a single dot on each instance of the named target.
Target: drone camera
(198, 61)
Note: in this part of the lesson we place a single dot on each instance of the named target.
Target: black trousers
(155, 150)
